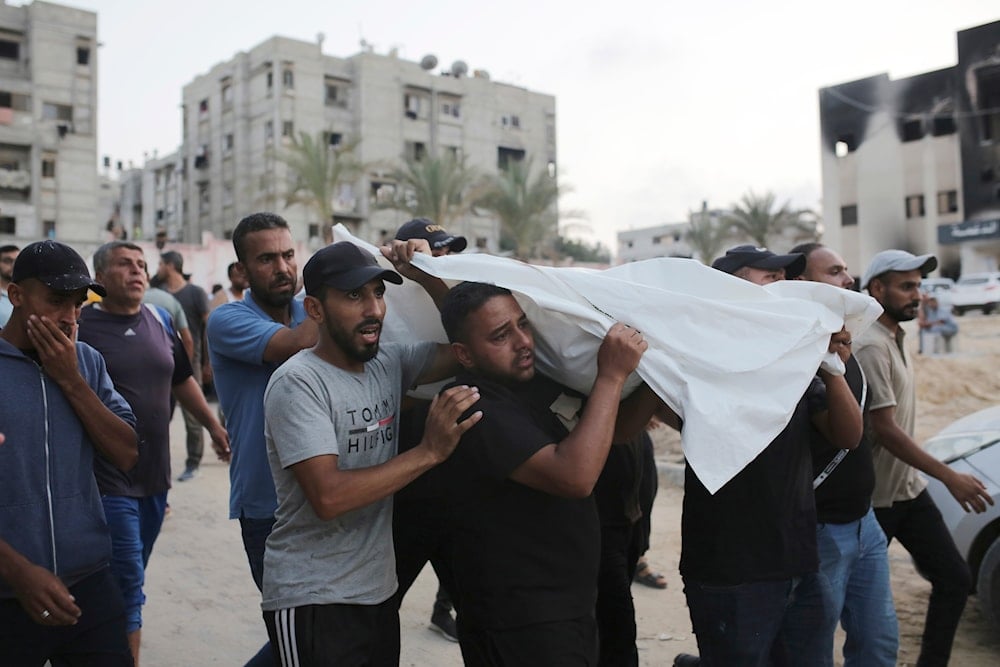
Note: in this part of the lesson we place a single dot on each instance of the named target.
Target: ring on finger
(45, 614)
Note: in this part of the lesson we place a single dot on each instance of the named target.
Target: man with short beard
(331, 422)
(903, 507)
(247, 341)
(8, 254)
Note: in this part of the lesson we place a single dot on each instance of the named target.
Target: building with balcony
(240, 117)
(914, 163)
(48, 124)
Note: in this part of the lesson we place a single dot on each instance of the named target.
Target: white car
(970, 445)
(976, 291)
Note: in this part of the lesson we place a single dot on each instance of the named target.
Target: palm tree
(706, 235)
(441, 188)
(526, 208)
(317, 170)
(755, 216)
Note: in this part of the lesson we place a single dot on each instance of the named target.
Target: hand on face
(56, 347)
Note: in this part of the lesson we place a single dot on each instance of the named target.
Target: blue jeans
(134, 524)
(255, 532)
(739, 624)
(854, 567)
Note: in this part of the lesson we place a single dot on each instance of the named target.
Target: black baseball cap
(760, 258)
(435, 235)
(344, 266)
(56, 266)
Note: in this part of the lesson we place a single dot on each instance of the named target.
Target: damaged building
(914, 163)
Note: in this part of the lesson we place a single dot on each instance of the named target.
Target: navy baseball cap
(56, 266)
(343, 266)
(760, 258)
(435, 235)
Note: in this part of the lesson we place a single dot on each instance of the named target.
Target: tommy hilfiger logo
(371, 426)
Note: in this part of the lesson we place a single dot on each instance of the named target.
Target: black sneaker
(443, 623)
(686, 660)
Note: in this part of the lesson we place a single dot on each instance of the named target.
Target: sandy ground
(203, 609)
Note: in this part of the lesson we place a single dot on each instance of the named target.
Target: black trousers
(918, 526)
(421, 532)
(556, 644)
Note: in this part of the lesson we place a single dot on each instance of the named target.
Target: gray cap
(897, 260)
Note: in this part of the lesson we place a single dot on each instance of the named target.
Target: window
(913, 130)
(227, 194)
(10, 46)
(203, 107)
(482, 242)
(288, 77)
(314, 230)
(947, 201)
(415, 150)
(269, 131)
(48, 166)
(511, 121)
(507, 155)
(287, 129)
(49, 229)
(51, 111)
(8, 224)
(269, 81)
(943, 125)
(915, 206)
(657, 239)
(204, 198)
(451, 108)
(849, 215)
(201, 157)
(381, 192)
(412, 105)
(334, 139)
(336, 92)
(227, 143)
(83, 55)
(15, 101)
(227, 94)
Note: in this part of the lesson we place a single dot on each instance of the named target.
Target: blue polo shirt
(238, 334)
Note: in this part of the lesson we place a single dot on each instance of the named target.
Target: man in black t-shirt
(744, 547)
(527, 536)
(853, 557)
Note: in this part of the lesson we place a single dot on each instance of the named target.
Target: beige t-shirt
(883, 359)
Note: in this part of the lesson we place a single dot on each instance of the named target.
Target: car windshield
(953, 446)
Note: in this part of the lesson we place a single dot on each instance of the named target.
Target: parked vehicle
(976, 291)
(937, 286)
(972, 445)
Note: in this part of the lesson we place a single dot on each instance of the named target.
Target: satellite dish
(428, 62)
(459, 68)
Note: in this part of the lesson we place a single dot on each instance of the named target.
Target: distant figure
(195, 304)
(8, 254)
(237, 285)
(936, 320)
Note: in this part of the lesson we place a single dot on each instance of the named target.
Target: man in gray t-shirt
(331, 422)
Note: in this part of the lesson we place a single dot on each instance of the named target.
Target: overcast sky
(660, 104)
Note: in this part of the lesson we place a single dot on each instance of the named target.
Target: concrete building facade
(914, 163)
(48, 124)
(240, 117)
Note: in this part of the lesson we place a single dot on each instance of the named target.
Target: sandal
(646, 576)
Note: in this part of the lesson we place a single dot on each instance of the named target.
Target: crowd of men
(494, 478)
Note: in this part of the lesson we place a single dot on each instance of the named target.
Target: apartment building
(914, 163)
(241, 116)
(48, 124)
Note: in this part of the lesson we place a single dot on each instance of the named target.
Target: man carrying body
(145, 361)
(744, 547)
(421, 511)
(527, 535)
(195, 303)
(331, 423)
(247, 341)
(58, 412)
(8, 254)
(903, 507)
(852, 548)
